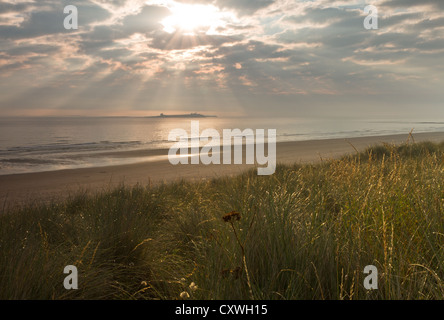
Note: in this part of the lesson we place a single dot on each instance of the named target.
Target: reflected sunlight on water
(41, 144)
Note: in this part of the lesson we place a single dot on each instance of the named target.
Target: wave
(30, 161)
(61, 148)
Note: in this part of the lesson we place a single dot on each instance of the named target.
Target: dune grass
(306, 232)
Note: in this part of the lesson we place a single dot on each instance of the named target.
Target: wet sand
(17, 189)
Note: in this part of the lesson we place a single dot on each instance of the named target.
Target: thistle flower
(231, 216)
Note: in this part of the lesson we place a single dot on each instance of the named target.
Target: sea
(36, 144)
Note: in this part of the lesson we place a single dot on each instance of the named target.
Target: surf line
(189, 147)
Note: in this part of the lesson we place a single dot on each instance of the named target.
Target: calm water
(42, 144)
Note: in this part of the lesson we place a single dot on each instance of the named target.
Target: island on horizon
(189, 115)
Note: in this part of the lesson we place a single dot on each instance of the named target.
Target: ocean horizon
(36, 144)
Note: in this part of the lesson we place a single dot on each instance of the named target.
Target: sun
(190, 18)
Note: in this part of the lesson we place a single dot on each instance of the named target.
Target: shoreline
(27, 188)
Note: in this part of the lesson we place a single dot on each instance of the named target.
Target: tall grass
(306, 232)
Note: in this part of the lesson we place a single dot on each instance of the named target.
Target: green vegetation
(306, 232)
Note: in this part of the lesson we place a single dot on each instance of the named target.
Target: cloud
(7, 7)
(178, 41)
(148, 19)
(242, 7)
(44, 20)
(413, 3)
(280, 53)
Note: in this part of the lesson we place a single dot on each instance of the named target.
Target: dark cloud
(321, 15)
(148, 19)
(413, 3)
(6, 7)
(105, 36)
(46, 22)
(428, 24)
(242, 7)
(397, 19)
(29, 49)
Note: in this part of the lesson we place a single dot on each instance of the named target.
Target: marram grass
(306, 232)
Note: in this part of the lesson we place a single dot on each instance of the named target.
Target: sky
(263, 58)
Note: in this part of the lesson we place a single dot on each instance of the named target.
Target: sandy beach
(16, 189)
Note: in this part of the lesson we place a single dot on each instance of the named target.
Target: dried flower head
(193, 286)
(184, 295)
(231, 216)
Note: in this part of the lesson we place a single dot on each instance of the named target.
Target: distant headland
(189, 115)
